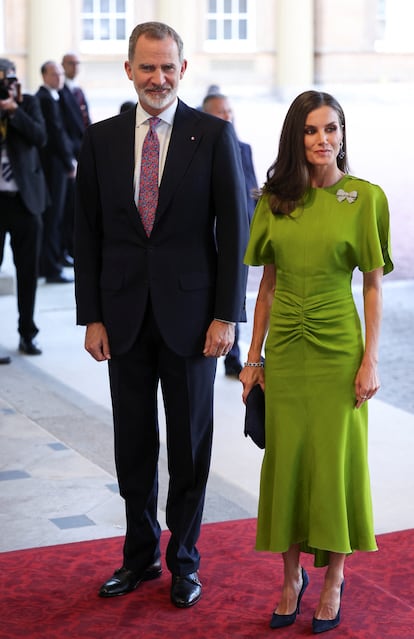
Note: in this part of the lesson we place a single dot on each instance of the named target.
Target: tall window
(104, 25)
(380, 21)
(394, 26)
(230, 25)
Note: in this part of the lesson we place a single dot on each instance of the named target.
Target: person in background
(314, 224)
(219, 105)
(23, 195)
(161, 228)
(4, 359)
(212, 89)
(70, 65)
(76, 119)
(58, 164)
(125, 106)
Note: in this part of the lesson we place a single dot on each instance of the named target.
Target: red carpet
(50, 593)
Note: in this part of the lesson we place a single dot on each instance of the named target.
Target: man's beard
(157, 100)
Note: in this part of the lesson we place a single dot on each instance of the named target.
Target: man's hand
(9, 105)
(96, 341)
(219, 339)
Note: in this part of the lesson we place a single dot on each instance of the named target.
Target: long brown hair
(288, 178)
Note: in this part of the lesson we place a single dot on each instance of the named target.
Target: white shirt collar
(53, 92)
(71, 84)
(166, 116)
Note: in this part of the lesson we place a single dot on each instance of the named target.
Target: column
(295, 45)
(49, 35)
(183, 17)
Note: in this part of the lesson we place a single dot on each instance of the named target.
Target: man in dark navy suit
(76, 118)
(160, 295)
(219, 105)
(23, 194)
(58, 164)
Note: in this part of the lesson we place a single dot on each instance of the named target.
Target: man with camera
(23, 193)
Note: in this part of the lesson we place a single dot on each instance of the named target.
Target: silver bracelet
(254, 364)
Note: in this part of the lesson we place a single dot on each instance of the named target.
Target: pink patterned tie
(148, 181)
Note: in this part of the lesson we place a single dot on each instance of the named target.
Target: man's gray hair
(157, 31)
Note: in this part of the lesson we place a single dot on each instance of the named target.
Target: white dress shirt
(164, 129)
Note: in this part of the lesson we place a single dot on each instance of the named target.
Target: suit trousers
(51, 247)
(25, 231)
(68, 220)
(187, 390)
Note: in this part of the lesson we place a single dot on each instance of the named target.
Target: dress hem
(321, 555)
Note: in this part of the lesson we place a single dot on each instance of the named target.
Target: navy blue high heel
(281, 621)
(322, 625)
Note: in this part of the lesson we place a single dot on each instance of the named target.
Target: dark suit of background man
(160, 307)
(58, 164)
(76, 118)
(23, 194)
(219, 105)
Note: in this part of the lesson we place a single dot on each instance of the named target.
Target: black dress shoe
(186, 590)
(124, 580)
(59, 279)
(5, 359)
(28, 347)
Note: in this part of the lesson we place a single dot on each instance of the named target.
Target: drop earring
(341, 153)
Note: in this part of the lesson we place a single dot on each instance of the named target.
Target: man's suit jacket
(72, 118)
(249, 176)
(192, 264)
(57, 155)
(26, 135)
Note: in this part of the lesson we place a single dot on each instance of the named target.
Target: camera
(6, 82)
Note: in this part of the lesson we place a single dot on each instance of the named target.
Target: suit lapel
(123, 155)
(185, 138)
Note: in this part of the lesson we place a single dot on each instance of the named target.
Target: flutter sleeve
(259, 249)
(374, 246)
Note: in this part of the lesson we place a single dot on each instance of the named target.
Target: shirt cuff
(225, 321)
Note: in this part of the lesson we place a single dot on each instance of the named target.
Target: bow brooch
(342, 195)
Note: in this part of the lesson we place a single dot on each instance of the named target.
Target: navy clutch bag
(254, 423)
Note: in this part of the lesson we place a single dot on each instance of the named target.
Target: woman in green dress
(313, 225)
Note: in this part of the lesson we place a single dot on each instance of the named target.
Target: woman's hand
(367, 383)
(249, 377)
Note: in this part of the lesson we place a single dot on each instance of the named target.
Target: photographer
(23, 193)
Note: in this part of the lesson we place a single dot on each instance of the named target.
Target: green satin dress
(315, 486)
